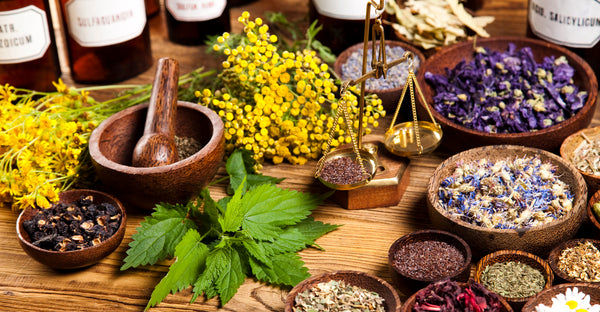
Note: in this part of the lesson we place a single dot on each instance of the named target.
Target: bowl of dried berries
(582, 149)
(566, 297)
(449, 295)
(79, 230)
(348, 66)
(507, 197)
(514, 274)
(343, 291)
(576, 261)
(419, 258)
(508, 90)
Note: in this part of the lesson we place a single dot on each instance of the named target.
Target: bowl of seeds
(514, 274)
(566, 297)
(343, 291)
(507, 197)
(508, 90)
(348, 66)
(582, 149)
(576, 261)
(419, 258)
(82, 228)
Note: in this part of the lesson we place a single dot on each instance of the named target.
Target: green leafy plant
(217, 244)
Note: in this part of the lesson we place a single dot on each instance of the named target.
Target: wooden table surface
(360, 244)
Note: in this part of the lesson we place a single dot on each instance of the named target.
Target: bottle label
(195, 10)
(24, 35)
(566, 23)
(345, 9)
(98, 23)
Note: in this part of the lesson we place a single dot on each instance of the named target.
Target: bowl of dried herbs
(79, 230)
(576, 260)
(582, 149)
(343, 291)
(503, 197)
(508, 90)
(514, 274)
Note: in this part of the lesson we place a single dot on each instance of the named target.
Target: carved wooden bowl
(570, 145)
(389, 97)
(554, 256)
(590, 211)
(353, 278)
(458, 137)
(537, 239)
(545, 296)
(406, 283)
(516, 256)
(111, 146)
(75, 258)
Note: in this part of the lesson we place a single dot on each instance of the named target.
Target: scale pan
(369, 161)
(400, 140)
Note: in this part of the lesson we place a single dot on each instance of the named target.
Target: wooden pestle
(157, 147)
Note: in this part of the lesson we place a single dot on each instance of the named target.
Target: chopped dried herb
(586, 157)
(507, 92)
(513, 279)
(186, 147)
(73, 226)
(581, 262)
(429, 260)
(337, 296)
(449, 296)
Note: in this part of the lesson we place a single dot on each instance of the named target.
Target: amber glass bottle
(152, 7)
(28, 57)
(572, 24)
(190, 22)
(107, 40)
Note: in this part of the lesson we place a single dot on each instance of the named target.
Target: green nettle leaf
(297, 237)
(215, 264)
(232, 219)
(190, 260)
(257, 251)
(240, 165)
(286, 269)
(232, 277)
(157, 237)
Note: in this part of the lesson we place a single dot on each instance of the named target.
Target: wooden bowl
(590, 212)
(554, 256)
(516, 256)
(111, 147)
(545, 296)
(354, 278)
(568, 148)
(389, 97)
(409, 304)
(408, 283)
(538, 239)
(75, 258)
(459, 138)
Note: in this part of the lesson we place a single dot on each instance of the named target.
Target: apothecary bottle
(152, 7)
(107, 40)
(28, 55)
(191, 22)
(572, 24)
(343, 22)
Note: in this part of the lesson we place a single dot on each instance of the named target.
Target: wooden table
(360, 244)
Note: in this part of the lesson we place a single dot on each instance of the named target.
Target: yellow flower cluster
(280, 105)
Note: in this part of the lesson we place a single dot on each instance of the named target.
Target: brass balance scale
(406, 139)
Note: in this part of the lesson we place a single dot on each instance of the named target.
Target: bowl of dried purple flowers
(507, 197)
(508, 90)
(348, 66)
(343, 291)
(455, 296)
(82, 228)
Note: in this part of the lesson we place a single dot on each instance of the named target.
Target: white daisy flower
(571, 300)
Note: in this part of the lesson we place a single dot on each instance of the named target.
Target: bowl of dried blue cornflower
(501, 197)
(348, 66)
(508, 90)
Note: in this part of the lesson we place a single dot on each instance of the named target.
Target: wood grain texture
(361, 244)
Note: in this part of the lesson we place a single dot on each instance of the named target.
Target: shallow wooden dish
(75, 258)
(554, 255)
(111, 148)
(545, 296)
(354, 278)
(459, 138)
(389, 97)
(410, 302)
(517, 256)
(537, 240)
(408, 284)
(568, 147)
(590, 212)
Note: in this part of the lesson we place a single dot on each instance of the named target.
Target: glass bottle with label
(343, 22)
(28, 57)
(572, 24)
(107, 40)
(190, 22)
